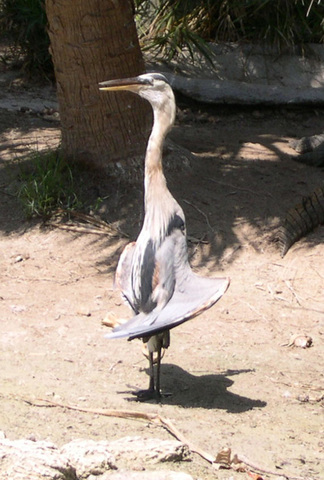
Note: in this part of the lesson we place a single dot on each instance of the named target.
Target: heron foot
(149, 394)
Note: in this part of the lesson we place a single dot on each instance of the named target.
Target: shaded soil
(234, 380)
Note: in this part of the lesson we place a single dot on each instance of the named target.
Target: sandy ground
(234, 381)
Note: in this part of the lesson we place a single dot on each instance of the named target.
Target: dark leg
(158, 373)
(152, 392)
(155, 344)
(158, 377)
(151, 372)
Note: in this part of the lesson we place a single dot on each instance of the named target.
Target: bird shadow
(203, 391)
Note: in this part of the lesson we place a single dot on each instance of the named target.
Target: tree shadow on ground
(220, 191)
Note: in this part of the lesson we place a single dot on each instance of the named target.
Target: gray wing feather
(123, 274)
(179, 295)
(196, 295)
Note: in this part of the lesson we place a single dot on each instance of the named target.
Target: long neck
(155, 183)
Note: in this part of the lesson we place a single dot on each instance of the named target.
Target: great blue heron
(153, 273)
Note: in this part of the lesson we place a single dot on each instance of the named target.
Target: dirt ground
(234, 381)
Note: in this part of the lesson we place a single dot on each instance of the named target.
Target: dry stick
(101, 224)
(168, 425)
(75, 228)
(269, 472)
(151, 417)
(95, 221)
(158, 420)
(201, 212)
(255, 310)
(293, 292)
(293, 385)
(321, 276)
(241, 189)
(88, 218)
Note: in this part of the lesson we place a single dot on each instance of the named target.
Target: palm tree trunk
(93, 41)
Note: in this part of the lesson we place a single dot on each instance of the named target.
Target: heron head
(154, 87)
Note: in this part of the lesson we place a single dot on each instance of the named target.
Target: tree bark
(93, 41)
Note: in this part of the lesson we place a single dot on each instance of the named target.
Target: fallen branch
(293, 292)
(241, 189)
(157, 419)
(201, 212)
(305, 386)
(255, 310)
(254, 466)
(130, 414)
(90, 224)
(76, 228)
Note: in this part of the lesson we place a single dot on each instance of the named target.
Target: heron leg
(155, 344)
(158, 373)
(152, 392)
(151, 372)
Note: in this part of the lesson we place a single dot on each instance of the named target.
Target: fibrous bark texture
(93, 41)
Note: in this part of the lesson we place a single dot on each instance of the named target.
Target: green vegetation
(48, 183)
(23, 25)
(166, 26)
(175, 24)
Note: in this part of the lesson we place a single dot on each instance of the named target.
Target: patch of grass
(47, 183)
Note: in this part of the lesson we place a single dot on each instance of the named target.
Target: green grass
(47, 183)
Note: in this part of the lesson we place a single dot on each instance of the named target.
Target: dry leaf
(302, 341)
(223, 458)
(112, 321)
(255, 476)
(239, 467)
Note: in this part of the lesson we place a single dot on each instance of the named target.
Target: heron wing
(195, 295)
(123, 274)
(154, 269)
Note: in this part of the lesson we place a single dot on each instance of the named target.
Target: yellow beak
(124, 84)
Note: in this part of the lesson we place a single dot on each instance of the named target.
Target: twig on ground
(129, 414)
(75, 228)
(97, 226)
(293, 292)
(255, 310)
(254, 466)
(157, 419)
(319, 274)
(201, 212)
(232, 252)
(195, 240)
(241, 189)
(305, 386)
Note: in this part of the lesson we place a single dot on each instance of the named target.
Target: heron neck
(155, 181)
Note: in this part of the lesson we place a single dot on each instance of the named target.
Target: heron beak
(132, 84)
